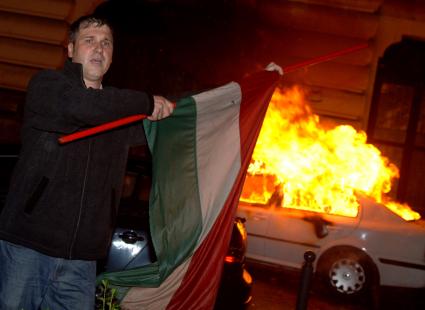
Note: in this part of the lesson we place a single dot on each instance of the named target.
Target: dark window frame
(401, 65)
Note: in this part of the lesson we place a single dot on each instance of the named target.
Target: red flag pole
(104, 127)
(138, 117)
(323, 58)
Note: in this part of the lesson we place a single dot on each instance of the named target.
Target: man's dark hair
(84, 22)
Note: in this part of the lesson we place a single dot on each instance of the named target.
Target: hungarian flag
(200, 157)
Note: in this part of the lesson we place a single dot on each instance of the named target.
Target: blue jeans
(30, 280)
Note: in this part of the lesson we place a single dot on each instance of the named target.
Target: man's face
(92, 48)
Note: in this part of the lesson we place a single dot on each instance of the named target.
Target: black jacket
(63, 198)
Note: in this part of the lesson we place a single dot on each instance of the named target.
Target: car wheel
(347, 272)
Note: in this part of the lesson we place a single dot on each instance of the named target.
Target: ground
(277, 289)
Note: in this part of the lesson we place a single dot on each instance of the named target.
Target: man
(59, 215)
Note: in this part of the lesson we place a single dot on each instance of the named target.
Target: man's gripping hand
(162, 108)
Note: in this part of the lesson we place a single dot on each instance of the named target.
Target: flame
(299, 164)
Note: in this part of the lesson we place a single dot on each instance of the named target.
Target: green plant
(106, 297)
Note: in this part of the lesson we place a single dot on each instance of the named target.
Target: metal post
(306, 276)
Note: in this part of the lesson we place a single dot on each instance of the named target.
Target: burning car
(327, 190)
(353, 254)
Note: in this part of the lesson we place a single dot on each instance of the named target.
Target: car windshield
(266, 190)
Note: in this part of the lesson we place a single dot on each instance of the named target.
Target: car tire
(347, 273)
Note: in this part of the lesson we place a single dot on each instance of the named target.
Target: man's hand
(162, 108)
(274, 67)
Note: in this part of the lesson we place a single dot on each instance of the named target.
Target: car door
(291, 232)
(257, 218)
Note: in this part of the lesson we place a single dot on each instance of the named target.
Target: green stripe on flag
(175, 219)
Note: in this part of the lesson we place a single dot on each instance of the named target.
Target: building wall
(339, 90)
(33, 35)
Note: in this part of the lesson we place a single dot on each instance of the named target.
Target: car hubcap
(347, 276)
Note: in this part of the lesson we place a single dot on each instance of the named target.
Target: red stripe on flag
(199, 286)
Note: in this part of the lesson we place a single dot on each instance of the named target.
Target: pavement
(275, 289)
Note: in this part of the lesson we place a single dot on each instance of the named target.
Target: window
(397, 117)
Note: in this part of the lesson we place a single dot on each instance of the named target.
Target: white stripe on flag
(217, 149)
(218, 164)
(155, 298)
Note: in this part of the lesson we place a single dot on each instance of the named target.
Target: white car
(377, 247)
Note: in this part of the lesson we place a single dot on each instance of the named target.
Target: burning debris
(299, 164)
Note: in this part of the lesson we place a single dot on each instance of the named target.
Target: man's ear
(70, 49)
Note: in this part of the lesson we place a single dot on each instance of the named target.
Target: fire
(314, 168)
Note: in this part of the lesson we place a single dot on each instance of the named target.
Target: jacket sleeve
(57, 104)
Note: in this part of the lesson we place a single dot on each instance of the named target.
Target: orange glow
(403, 210)
(230, 259)
(315, 168)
